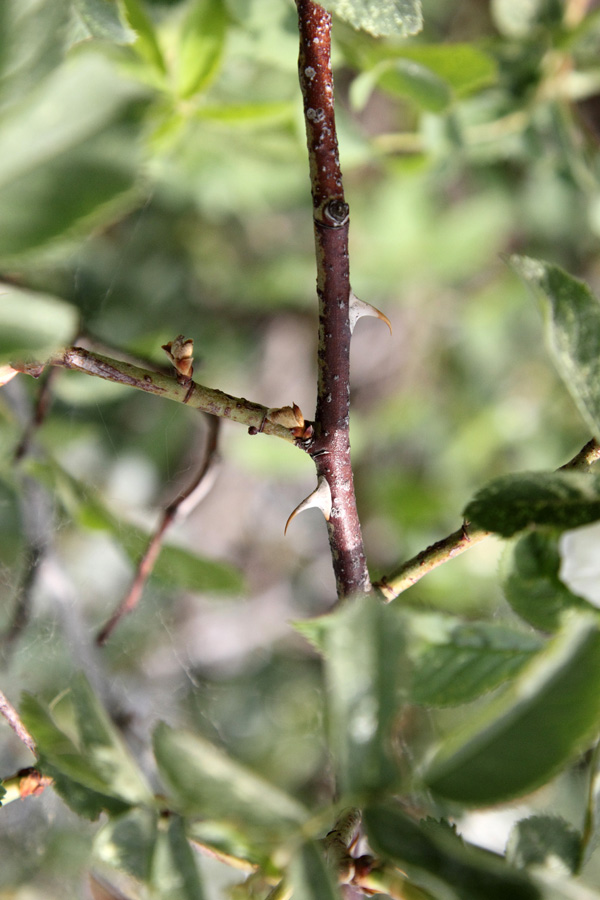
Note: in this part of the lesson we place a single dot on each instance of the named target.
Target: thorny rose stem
(330, 448)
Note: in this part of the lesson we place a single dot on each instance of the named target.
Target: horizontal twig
(433, 556)
(196, 396)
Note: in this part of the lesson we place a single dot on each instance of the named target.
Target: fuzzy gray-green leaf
(532, 585)
(512, 503)
(437, 859)
(548, 842)
(366, 675)
(204, 780)
(380, 17)
(454, 662)
(522, 738)
(572, 331)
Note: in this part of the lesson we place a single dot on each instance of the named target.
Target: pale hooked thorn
(320, 497)
(358, 309)
(6, 373)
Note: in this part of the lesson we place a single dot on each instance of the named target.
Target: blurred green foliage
(153, 181)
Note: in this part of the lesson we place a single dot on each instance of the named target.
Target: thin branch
(37, 516)
(463, 539)
(35, 521)
(330, 448)
(32, 560)
(281, 891)
(13, 719)
(179, 508)
(383, 878)
(235, 862)
(338, 844)
(196, 396)
(42, 406)
(585, 458)
(433, 556)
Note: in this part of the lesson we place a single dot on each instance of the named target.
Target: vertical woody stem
(331, 446)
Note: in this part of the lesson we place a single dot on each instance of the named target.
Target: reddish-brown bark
(331, 445)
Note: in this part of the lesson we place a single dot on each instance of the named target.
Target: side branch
(456, 543)
(196, 396)
(331, 445)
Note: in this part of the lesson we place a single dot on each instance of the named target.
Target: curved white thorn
(320, 497)
(359, 308)
(6, 373)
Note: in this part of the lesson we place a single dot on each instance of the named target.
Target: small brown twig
(36, 545)
(33, 557)
(179, 508)
(12, 717)
(42, 405)
(36, 513)
(391, 586)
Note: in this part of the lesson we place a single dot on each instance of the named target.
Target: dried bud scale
(180, 352)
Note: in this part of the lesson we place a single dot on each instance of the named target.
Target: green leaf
(511, 503)
(523, 738)
(547, 842)
(436, 859)
(68, 194)
(204, 781)
(247, 114)
(432, 75)
(83, 800)
(464, 67)
(60, 758)
(201, 47)
(227, 841)
(95, 757)
(310, 877)
(182, 568)
(75, 104)
(146, 42)
(454, 662)
(33, 36)
(33, 326)
(103, 747)
(67, 155)
(380, 17)
(127, 842)
(416, 82)
(175, 873)
(520, 20)
(104, 20)
(366, 674)
(533, 587)
(55, 745)
(175, 566)
(572, 331)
